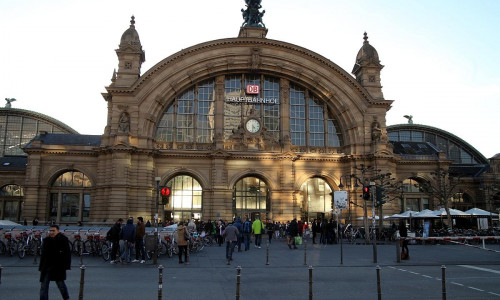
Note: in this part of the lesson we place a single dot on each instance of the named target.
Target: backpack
(247, 228)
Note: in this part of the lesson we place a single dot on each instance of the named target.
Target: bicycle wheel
(76, 248)
(106, 251)
(21, 250)
(87, 247)
(12, 247)
(162, 248)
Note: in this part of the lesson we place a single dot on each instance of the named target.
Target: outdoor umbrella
(453, 212)
(425, 214)
(406, 215)
(477, 212)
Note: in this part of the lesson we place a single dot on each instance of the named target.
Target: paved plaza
(471, 273)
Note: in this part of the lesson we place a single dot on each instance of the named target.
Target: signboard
(253, 89)
(340, 199)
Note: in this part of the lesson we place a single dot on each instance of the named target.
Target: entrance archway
(251, 198)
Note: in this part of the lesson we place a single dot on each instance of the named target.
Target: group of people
(127, 237)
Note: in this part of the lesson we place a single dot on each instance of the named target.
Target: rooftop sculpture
(251, 15)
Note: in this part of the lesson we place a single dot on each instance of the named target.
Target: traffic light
(165, 195)
(379, 193)
(366, 192)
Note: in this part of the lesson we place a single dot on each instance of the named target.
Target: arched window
(11, 197)
(316, 198)
(186, 199)
(311, 123)
(250, 197)
(191, 117)
(70, 198)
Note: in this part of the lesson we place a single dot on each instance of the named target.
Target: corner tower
(130, 57)
(367, 69)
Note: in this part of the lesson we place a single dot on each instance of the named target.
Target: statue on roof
(251, 15)
(9, 101)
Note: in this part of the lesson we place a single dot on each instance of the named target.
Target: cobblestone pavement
(471, 273)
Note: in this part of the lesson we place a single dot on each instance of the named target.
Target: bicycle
(77, 245)
(11, 244)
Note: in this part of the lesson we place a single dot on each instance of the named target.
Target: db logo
(253, 89)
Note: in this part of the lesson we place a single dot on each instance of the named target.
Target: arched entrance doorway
(316, 199)
(186, 199)
(251, 198)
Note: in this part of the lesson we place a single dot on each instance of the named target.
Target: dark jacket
(140, 231)
(292, 228)
(128, 231)
(239, 225)
(56, 258)
(114, 232)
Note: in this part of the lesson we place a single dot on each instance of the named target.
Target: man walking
(140, 232)
(247, 230)
(230, 235)
(258, 229)
(55, 260)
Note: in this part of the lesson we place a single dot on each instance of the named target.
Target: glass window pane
(70, 207)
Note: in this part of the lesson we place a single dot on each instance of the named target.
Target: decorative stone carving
(376, 130)
(124, 122)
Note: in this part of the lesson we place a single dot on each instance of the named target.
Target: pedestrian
(239, 226)
(315, 229)
(258, 229)
(127, 235)
(324, 232)
(230, 236)
(403, 233)
(191, 226)
(247, 231)
(55, 260)
(182, 242)
(140, 232)
(35, 221)
(292, 232)
(113, 236)
(220, 229)
(270, 230)
(148, 223)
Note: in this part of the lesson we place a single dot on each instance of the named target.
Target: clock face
(252, 125)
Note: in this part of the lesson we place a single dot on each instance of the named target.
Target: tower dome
(367, 53)
(130, 37)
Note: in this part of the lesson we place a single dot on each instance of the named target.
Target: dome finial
(132, 21)
(365, 38)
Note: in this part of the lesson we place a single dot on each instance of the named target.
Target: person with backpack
(239, 226)
(247, 230)
(258, 229)
(113, 236)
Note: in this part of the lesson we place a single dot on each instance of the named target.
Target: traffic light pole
(374, 232)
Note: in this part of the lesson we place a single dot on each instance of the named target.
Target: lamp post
(157, 201)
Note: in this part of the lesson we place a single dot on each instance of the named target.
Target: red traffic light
(165, 191)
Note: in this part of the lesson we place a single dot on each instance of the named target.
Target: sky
(441, 57)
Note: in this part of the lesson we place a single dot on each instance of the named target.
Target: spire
(367, 69)
(130, 57)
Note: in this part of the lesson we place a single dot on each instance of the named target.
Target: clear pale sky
(441, 57)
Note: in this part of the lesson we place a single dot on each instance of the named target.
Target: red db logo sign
(253, 89)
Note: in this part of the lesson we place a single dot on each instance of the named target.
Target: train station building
(241, 126)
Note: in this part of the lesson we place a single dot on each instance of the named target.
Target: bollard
(443, 281)
(267, 254)
(305, 253)
(1, 268)
(82, 281)
(379, 288)
(398, 250)
(238, 282)
(310, 282)
(341, 249)
(160, 282)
